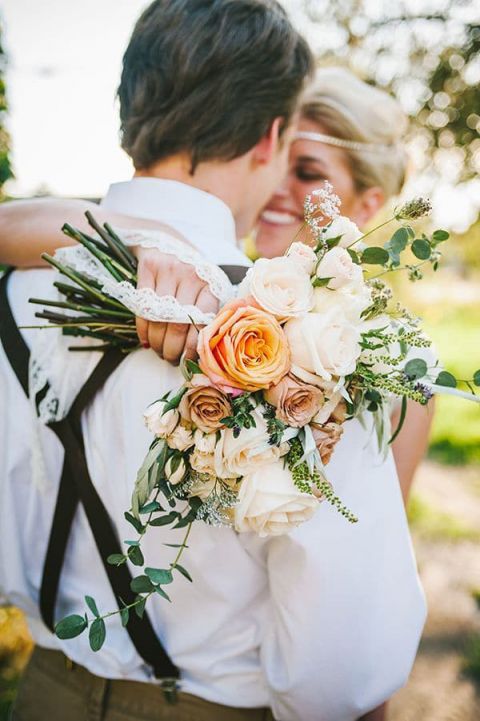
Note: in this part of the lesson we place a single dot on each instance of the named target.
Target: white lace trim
(144, 302)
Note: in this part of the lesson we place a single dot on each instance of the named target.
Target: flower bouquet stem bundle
(313, 340)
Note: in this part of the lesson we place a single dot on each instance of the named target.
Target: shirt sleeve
(346, 608)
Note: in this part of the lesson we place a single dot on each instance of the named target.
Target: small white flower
(175, 476)
(181, 438)
(160, 423)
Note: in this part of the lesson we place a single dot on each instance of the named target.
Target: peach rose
(296, 402)
(243, 349)
(204, 405)
(326, 438)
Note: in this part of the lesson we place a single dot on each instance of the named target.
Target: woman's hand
(167, 275)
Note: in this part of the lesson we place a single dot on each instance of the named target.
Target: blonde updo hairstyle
(347, 108)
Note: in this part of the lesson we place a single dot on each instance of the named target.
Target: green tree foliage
(5, 165)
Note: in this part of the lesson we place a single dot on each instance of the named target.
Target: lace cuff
(144, 302)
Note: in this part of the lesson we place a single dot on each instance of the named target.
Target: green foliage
(97, 633)
(71, 626)
(435, 525)
(5, 165)
(471, 659)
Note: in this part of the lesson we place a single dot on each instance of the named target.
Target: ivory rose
(181, 438)
(296, 402)
(204, 405)
(160, 423)
(337, 265)
(175, 476)
(270, 504)
(243, 349)
(205, 442)
(326, 438)
(203, 462)
(237, 456)
(304, 255)
(280, 286)
(346, 228)
(324, 344)
(351, 300)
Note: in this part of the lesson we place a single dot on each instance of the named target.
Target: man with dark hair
(208, 96)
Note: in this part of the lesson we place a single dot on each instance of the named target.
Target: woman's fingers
(176, 333)
(208, 303)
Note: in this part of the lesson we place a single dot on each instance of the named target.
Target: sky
(64, 60)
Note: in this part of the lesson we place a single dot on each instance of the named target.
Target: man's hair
(207, 78)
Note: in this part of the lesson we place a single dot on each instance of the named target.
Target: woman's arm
(29, 228)
(411, 443)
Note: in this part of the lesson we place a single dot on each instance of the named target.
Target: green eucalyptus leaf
(354, 256)
(192, 367)
(138, 526)
(140, 606)
(476, 378)
(440, 235)
(332, 242)
(71, 626)
(124, 615)
(136, 556)
(159, 575)
(183, 571)
(97, 634)
(446, 379)
(421, 249)
(162, 593)
(375, 256)
(116, 559)
(164, 520)
(92, 605)
(398, 241)
(150, 507)
(141, 584)
(321, 282)
(416, 368)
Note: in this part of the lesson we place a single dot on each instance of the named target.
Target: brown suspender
(76, 486)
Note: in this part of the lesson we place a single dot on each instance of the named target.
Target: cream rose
(181, 438)
(346, 228)
(337, 265)
(237, 456)
(304, 255)
(270, 504)
(175, 476)
(323, 344)
(279, 286)
(296, 402)
(350, 300)
(202, 462)
(203, 405)
(160, 423)
(205, 442)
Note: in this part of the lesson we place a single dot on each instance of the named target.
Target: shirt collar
(202, 218)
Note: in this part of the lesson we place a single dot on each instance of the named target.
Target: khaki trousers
(53, 689)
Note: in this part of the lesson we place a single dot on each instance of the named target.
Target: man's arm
(29, 228)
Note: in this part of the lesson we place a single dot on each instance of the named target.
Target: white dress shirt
(321, 624)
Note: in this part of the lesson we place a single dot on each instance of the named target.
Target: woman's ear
(368, 204)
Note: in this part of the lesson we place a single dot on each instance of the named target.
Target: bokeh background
(59, 65)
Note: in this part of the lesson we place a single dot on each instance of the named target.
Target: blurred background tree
(5, 166)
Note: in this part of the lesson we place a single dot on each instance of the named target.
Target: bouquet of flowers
(312, 340)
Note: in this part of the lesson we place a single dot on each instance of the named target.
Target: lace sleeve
(144, 302)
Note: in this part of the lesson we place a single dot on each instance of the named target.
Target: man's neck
(225, 180)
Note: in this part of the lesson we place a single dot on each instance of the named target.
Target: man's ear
(267, 146)
(368, 204)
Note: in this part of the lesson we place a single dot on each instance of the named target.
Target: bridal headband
(342, 143)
